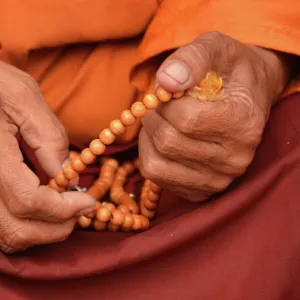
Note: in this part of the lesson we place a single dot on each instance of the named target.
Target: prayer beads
(123, 213)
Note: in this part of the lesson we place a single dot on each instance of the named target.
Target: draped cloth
(92, 59)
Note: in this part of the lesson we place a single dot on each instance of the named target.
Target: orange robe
(92, 59)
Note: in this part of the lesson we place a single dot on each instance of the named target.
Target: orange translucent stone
(117, 217)
(138, 109)
(127, 118)
(177, 95)
(61, 180)
(151, 101)
(96, 147)
(84, 222)
(87, 156)
(117, 127)
(163, 95)
(103, 214)
(54, 186)
(69, 173)
(106, 136)
(78, 165)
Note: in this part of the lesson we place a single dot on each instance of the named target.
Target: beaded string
(123, 212)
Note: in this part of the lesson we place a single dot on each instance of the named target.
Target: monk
(228, 221)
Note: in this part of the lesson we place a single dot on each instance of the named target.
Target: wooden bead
(178, 95)
(145, 223)
(93, 213)
(154, 187)
(147, 213)
(116, 194)
(97, 191)
(84, 222)
(112, 163)
(123, 208)
(152, 196)
(128, 220)
(106, 136)
(69, 173)
(117, 217)
(73, 154)
(122, 171)
(149, 204)
(138, 109)
(53, 185)
(78, 165)
(112, 227)
(103, 214)
(163, 95)
(87, 156)
(96, 147)
(129, 167)
(109, 206)
(99, 226)
(151, 101)
(127, 118)
(116, 127)
(129, 202)
(137, 222)
(61, 180)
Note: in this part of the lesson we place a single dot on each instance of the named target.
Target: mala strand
(122, 212)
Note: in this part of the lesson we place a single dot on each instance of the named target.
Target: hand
(197, 148)
(31, 214)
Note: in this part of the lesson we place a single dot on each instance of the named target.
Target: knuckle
(239, 164)
(164, 140)
(151, 169)
(219, 184)
(15, 240)
(188, 121)
(22, 206)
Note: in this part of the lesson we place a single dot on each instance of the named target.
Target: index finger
(199, 119)
(25, 198)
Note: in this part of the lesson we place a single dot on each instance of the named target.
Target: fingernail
(179, 71)
(85, 211)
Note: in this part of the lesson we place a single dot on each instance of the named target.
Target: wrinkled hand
(31, 214)
(197, 148)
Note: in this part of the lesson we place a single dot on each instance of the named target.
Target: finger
(176, 146)
(208, 121)
(39, 127)
(23, 195)
(188, 65)
(168, 173)
(20, 234)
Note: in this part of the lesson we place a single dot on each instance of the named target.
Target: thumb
(188, 65)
